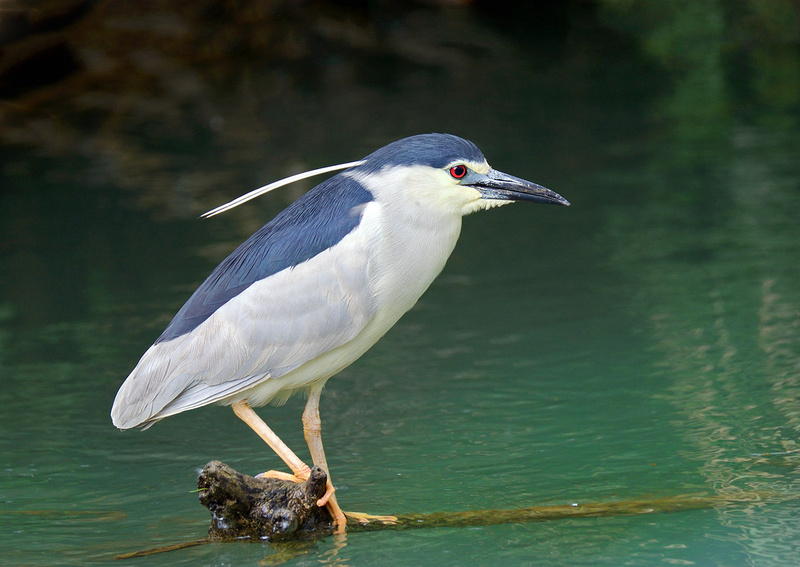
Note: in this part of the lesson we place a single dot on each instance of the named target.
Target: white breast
(407, 247)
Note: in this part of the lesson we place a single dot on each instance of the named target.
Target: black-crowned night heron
(317, 286)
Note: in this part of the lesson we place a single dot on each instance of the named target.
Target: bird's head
(445, 172)
(437, 172)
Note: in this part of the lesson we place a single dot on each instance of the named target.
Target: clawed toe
(301, 476)
(362, 518)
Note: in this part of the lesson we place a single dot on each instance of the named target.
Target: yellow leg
(312, 430)
(244, 412)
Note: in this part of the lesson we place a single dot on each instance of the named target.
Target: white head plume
(275, 184)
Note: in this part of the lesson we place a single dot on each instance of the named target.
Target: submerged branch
(247, 508)
(473, 518)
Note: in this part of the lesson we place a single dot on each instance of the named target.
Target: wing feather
(275, 326)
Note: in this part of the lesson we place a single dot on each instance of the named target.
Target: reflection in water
(725, 326)
(714, 247)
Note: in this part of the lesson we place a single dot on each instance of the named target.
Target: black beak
(501, 186)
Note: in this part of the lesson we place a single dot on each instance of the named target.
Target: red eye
(458, 171)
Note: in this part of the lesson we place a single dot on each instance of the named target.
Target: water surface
(642, 343)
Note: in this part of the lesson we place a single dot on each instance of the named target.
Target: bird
(313, 289)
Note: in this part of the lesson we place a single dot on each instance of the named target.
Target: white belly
(405, 255)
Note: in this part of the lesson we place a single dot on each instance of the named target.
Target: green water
(643, 343)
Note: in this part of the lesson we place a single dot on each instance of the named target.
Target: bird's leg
(312, 430)
(301, 471)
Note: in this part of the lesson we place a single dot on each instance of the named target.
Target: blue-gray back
(315, 222)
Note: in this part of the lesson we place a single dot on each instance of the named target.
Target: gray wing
(273, 327)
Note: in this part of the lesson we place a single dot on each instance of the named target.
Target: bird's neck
(411, 251)
(412, 238)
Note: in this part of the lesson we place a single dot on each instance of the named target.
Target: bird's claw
(365, 519)
(299, 476)
(327, 499)
(302, 476)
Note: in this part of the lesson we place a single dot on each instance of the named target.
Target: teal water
(641, 344)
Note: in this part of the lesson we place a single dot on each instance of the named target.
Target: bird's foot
(301, 476)
(362, 518)
(326, 499)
